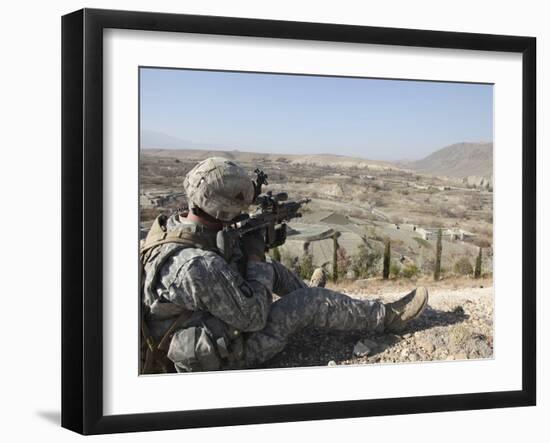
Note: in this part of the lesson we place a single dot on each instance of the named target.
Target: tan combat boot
(318, 278)
(402, 311)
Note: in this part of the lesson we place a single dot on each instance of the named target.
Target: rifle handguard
(280, 237)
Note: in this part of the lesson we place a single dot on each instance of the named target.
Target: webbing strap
(159, 236)
(165, 341)
(156, 353)
(152, 353)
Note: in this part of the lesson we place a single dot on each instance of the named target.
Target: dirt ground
(456, 325)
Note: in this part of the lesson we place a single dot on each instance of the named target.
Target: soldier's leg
(285, 281)
(311, 307)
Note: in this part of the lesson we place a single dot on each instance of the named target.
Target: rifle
(271, 214)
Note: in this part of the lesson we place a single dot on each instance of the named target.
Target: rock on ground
(456, 325)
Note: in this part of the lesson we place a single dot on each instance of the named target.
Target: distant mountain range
(458, 160)
(244, 156)
(158, 144)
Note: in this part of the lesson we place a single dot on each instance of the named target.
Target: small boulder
(362, 349)
(428, 346)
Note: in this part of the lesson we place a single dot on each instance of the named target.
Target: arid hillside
(244, 156)
(459, 160)
(357, 209)
(365, 203)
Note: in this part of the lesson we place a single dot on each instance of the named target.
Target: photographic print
(301, 220)
(275, 203)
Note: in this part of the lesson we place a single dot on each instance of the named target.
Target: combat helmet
(219, 187)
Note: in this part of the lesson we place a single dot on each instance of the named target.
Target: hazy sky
(370, 118)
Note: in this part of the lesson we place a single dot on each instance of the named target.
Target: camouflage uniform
(235, 322)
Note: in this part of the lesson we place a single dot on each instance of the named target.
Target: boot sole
(421, 310)
(400, 328)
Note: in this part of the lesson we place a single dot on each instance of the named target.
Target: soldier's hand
(253, 246)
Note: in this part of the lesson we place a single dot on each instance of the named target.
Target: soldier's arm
(217, 288)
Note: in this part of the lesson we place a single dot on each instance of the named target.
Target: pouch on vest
(205, 346)
(192, 350)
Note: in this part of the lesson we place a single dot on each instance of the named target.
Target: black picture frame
(82, 218)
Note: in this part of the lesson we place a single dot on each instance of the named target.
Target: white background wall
(30, 168)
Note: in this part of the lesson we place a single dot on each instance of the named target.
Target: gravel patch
(456, 325)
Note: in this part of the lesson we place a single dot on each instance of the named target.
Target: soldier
(201, 312)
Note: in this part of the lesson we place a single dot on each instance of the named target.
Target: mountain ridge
(320, 159)
(459, 160)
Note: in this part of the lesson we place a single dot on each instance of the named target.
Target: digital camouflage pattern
(219, 187)
(236, 323)
(319, 308)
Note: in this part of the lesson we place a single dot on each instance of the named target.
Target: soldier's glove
(253, 245)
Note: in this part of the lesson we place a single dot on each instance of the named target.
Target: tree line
(365, 263)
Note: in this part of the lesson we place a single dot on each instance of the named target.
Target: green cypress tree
(477, 271)
(438, 249)
(386, 269)
(335, 257)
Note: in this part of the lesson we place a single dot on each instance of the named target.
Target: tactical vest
(159, 245)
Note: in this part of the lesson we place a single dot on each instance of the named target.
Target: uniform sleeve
(215, 287)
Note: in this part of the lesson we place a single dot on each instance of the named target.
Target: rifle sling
(164, 343)
(157, 353)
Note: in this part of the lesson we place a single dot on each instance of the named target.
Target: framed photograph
(269, 221)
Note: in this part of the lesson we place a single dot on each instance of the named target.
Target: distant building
(446, 234)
